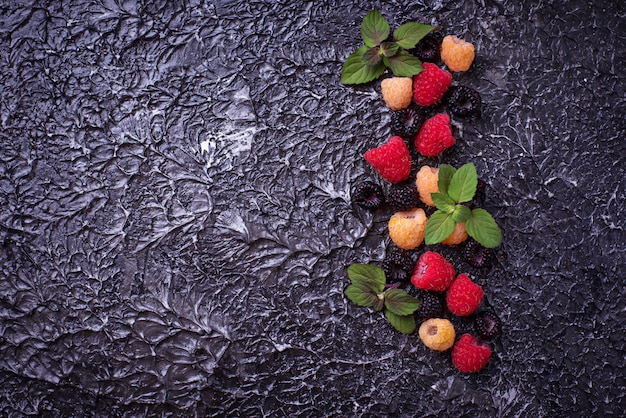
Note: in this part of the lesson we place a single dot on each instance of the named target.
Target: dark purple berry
(397, 265)
(487, 325)
(403, 197)
(479, 196)
(431, 306)
(427, 49)
(368, 195)
(406, 122)
(476, 255)
(463, 101)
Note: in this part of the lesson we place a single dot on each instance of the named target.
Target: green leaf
(439, 227)
(409, 34)
(379, 303)
(372, 57)
(403, 64)
(374, 29)
(368, 275)
(443, 202)
(483, 228)
(361, 294)
(403, 323)
(400, 302)
(446, 172)
(463, 183)
(356, 70)
(389, 49)
(461, 213)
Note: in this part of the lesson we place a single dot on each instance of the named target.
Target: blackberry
(368, 195)
(431, 306)
(397, 265)
(476, 255)
(463, 101)
(406, 122)
(403, 197)
(428, 48)
(479, 196)
(487, 325)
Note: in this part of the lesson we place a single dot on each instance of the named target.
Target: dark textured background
(175, 217)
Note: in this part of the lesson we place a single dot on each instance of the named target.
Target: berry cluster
(422, 104)
(459, 296)
(422, 107)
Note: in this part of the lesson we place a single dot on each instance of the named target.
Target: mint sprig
(368, 288)
(455, 188)
(378, 53)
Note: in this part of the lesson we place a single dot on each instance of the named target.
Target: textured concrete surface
(176, 224)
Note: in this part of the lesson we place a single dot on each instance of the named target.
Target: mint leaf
(409, 34)
(446, 172)
(443, 202)
(400, 302)
(403, 64)
(361, 294)
(461, 213)
(379, 303)
(367, 275)
(403, 323)
(356, 70)
(463, 183)
(483, 228)
(374, 29)
(389, 49)
(372, 57)
(439, 227)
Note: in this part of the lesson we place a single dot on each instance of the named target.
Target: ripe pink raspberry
(392, 160)
(430, 85)
(435, 136)
(464, 296)
(468, 355)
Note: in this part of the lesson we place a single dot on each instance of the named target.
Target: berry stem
(392, 286)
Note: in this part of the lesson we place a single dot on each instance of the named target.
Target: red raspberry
(468, 355)
(431, 84)
(435, 136)
(391, 160)
(464, 296)
(432, 272)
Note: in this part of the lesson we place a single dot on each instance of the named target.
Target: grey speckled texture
(175, 217)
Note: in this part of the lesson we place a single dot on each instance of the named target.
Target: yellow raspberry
(458, 235)
(426, 183)
(437, 334)
(456, 53)
(406, 229)
(397, 92)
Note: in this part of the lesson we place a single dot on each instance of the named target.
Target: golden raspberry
(406, 229)
(397, 92)
(458, 235)
(437, 334)
(426, 182)
(456, 53)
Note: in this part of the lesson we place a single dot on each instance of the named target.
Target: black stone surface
(175, 218)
